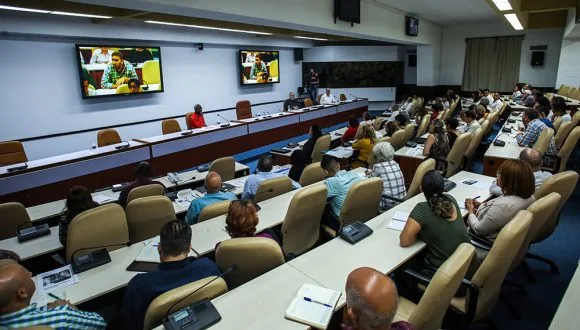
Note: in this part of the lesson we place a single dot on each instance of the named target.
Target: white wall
(569, 69)
(453, 49)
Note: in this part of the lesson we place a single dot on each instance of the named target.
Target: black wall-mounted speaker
(412, 60)
(538, 58)
(298, 54)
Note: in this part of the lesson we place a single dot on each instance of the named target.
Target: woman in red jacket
(353, 124)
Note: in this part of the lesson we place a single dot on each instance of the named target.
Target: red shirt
(196, 121)
(349, 134)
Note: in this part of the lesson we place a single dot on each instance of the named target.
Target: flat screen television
(411, 26)
(118, 70)
(259, 67)
(347, 10)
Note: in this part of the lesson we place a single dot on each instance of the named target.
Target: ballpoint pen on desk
(317, 302)
(54, 296)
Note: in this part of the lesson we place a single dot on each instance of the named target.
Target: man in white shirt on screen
(496, 104)
(101, 56)
(327, 98)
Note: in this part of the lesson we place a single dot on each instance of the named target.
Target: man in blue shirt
(176, 269)
(264, 172)
(213, 184)
(16, 291)
(338, 183)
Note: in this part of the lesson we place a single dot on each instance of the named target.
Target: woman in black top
(79, 199)
(315, 132)
(298, 161)
(451, 125)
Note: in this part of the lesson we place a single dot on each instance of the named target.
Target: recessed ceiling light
(78, 14)
(502, 5)
(208, 27)
(24, 9)
(514, 21)
(311, 38)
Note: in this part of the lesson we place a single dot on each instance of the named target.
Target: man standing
(213, 184)
(291, 103)
(196, 119)
(16, 291)
(338, 183)
(313, 83)
(258, 68)
(117, 72)
(327, 98)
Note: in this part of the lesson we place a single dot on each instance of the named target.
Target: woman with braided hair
(437, 144)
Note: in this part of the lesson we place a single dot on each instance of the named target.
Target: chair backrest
(322, 144)
(576, 119)
(108, 136)
(490, 123)
(253, 255)
(409, 130)
(12, 215)
(377, 123)
(318, 98)
(342, 97)
(308, 103)
(153, 189)
(146, 216)
(423, 126)
(435, 300)
(159, 307)
(562, 134)
(564, 184)
(187, 122)
(102, 225)
(301, 226)
(213, 210)
(541, 211)
(424, 167)
(566, 150)
(480, 120)
(311, 174)
(243, 109)
(558, 123)
(273, 187)
(491, 273)
(150, 72)
(544, 140)
(475, 140)
(503, 107)
(455, 156)
(225, 167)
(273, 69)
(12, 152)
(122, 89)
(169, 126)
(398, 139)
(362, 201)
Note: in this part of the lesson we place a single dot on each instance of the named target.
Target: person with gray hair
(534, 158)
(371, 301)
(389, 171)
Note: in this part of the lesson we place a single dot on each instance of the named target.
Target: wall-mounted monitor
(347, 10)
(411, 26)
(118, 70)
(259, 67)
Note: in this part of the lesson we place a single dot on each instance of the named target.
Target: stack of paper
(398, 221)
(414, 152)
(313, 305)
(341, 152)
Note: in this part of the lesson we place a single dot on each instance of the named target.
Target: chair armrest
(398, 200)
(487, 244)
(418, 276)
(472, 298)
(479, 245)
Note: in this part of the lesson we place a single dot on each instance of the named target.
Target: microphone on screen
(146, 87)
(226, 124)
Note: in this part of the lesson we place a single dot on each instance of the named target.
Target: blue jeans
(313, 91)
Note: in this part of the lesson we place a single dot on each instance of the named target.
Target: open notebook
(150, 253)
(318, 311)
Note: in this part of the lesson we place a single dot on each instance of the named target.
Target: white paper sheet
(100, 198)
(397, 225)
(238, 183)
(341, 152)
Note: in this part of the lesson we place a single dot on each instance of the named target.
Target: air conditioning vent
(539, 48)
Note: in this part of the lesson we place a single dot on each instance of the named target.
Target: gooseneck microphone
(226, 124)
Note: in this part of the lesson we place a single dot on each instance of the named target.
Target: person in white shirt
(101, 56)
(496, 104)
(534, 158)
(409, 108)
(250, 58)
(487, 95)
(517, 94)
(445, 103)
(472, 123)
(327, 98)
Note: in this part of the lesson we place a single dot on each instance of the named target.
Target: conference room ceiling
(538, 14)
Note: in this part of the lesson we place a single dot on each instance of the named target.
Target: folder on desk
(313, 305)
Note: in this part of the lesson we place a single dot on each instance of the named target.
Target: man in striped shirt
(16, 291)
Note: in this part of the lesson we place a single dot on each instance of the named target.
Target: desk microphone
(92, 259)
(199, 315)
(188, 132)
(17, 168)
(226, 124)
(31, 232)
(124, 145)
(355, 97)
(146, 87)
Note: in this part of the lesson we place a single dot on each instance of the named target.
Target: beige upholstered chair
(146, 216)
(308, 103)
(102, 225)
(253, 255)
(159, 307)
(398, 139)
(225, 167)
(108, 136)
(503, 107)
(455, 156)
(187, 116)
(428, 313)
(12, 215)
(491, 273)
(409, 130)
(322, 144)
(273, 187)
(424, 125)
(243, 109)
(544, 140)
(424, 167)
(475, 140)
(312, 173)
(558, 123)
(213, 210)
(562, 134)
(566, 150)
(318, 98)
(151, 72)
(169, 126)
(576, 119)
(301, 226)
(153, 189)
(377, 123)
(12, 152)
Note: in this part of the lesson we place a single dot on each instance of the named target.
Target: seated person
(196, 119)
(134, 86)
(258, 67)
(338, 183)
(533, 158)
(327, 98)
(437, 144)
(143, 175)
(371, 302)
(437, 109)
(472, 123)
(117, 72)
(139, 55)
(534, 128)
(568, 116)
(16, 290)
(263, 78)
(391, 128)
(212, 184)
(476, 96)
(242, 220)
(88, 90)
(291, 103)
(421, 112)
(78, 200)
(299, 163)
(445, 102)
(8, 257)
(402, 120)
(516, 181)
(453, 133)
(544, 112)
(496, 104)
(101, 56)
(559, 108)
(390, 172)
(517, 94)
(363, 147)
(315, 132)
(481, 112)
(350, 132)
(263, 172)
(176, 269)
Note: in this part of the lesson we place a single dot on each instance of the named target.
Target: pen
(476, 197)
(318, 302)
(54, 296)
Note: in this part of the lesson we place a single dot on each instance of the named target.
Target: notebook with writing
(313, 305)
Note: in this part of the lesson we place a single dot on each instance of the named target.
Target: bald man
(371, 301)
(213, 184)
(16, 291)
(534, 158)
